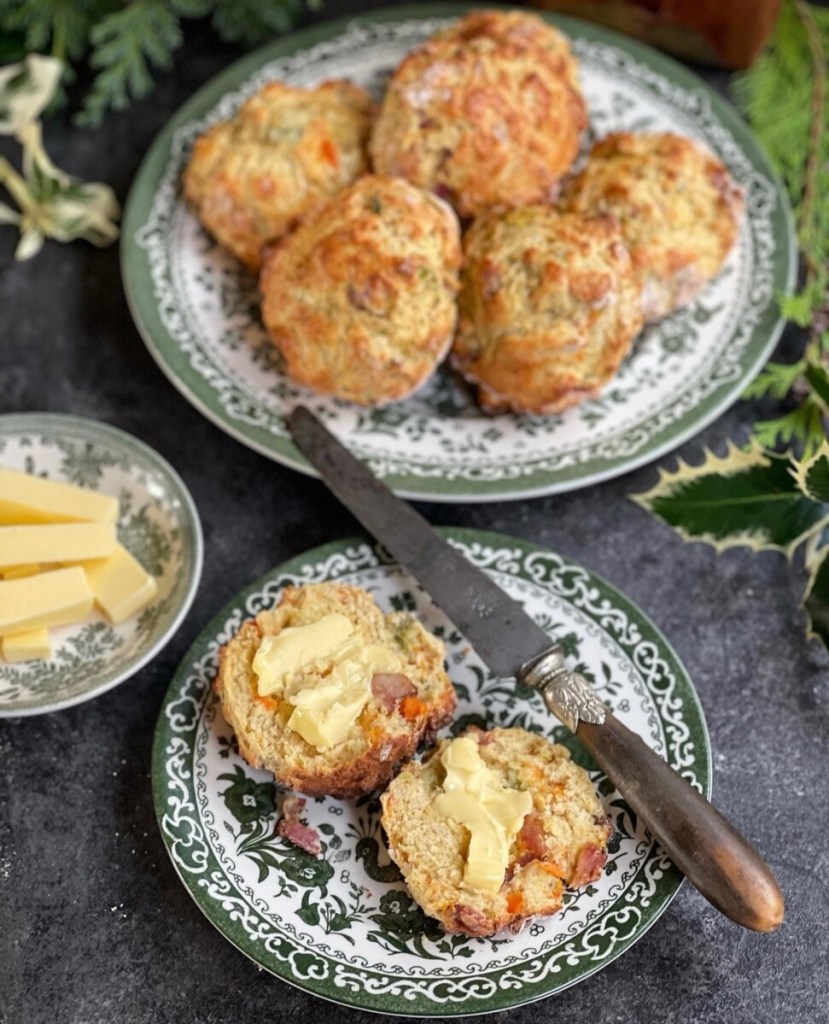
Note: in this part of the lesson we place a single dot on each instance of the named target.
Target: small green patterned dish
(343, 926)
(198, 311)
(158, 523)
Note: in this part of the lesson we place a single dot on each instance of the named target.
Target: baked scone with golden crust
(250, 178)
(549, 308)
(677, 205)
(330, 694)
(361, 298)
(490, 829)
(519, 28)
(484, 122)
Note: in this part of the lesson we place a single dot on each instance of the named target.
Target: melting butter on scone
(324, 712)
(331, 694)
(491, 827)
(475, 797)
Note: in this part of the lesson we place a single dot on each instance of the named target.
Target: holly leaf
(816, 599)
(812, 475)
(749, 497)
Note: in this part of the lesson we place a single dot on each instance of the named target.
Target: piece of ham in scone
(329, 693)
(491, 828)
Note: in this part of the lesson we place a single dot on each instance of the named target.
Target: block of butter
(120, 584)
(17, 572)
(33, 645)
(54, 598)
(55, 542)
(31, 499)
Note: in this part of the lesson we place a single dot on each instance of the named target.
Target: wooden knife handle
(710, 852)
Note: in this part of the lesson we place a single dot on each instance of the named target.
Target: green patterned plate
(198, 311)
(342, 926)
(158, 523)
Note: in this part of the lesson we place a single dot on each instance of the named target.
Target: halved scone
(490, 829)
(331, 694)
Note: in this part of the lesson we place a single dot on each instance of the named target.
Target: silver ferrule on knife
(567, 694)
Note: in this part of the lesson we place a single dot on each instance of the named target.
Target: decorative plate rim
(181, 687)
(16, 424)
(534, 481)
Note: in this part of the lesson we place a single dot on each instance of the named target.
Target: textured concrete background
(95, 927)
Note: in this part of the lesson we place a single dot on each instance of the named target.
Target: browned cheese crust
(521, 29)
(361, 299)
(549, 307)
(386, 732)
(677, 205)
(285, 151)
(562, 841)
(482, 117)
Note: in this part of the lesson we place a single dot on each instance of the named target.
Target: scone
(360, 299)
(330, 694)
(250, 178)
(482, 120)
(549, 308)
(677, 206)
(519, 28)
(490, 829)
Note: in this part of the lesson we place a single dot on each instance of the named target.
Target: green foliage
(816, 599)
(127, 43)
(48, 202)
(813, 476)
(785, 99)
(759, 500)
(755, 497)
(750, 498)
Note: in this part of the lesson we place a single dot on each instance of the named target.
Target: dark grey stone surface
(95, 927)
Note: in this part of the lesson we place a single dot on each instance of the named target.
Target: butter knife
(708, 850)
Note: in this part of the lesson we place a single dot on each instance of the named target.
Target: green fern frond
(127, 43)
(251, 21)
(801, 428)
(775, 380)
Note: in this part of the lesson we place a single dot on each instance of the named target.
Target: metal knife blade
(495, 624)
(712, 854)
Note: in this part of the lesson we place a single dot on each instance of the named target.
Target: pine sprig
(250, 21)
(127, 42)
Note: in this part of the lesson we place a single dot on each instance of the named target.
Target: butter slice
(55, 542)
(325, 709)
(473, 796)
(31, 499)
(120, 584)
(33, 645)
(49, 599)
(19, 571)
(295, 647)
(325, 713)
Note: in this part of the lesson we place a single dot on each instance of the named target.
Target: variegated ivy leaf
(25, 91)
(816, 598)
(53, 205)
(812, 475)
(746, 498)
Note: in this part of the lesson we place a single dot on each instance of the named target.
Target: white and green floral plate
(198, 310)
(158, 523)
(342, 926)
